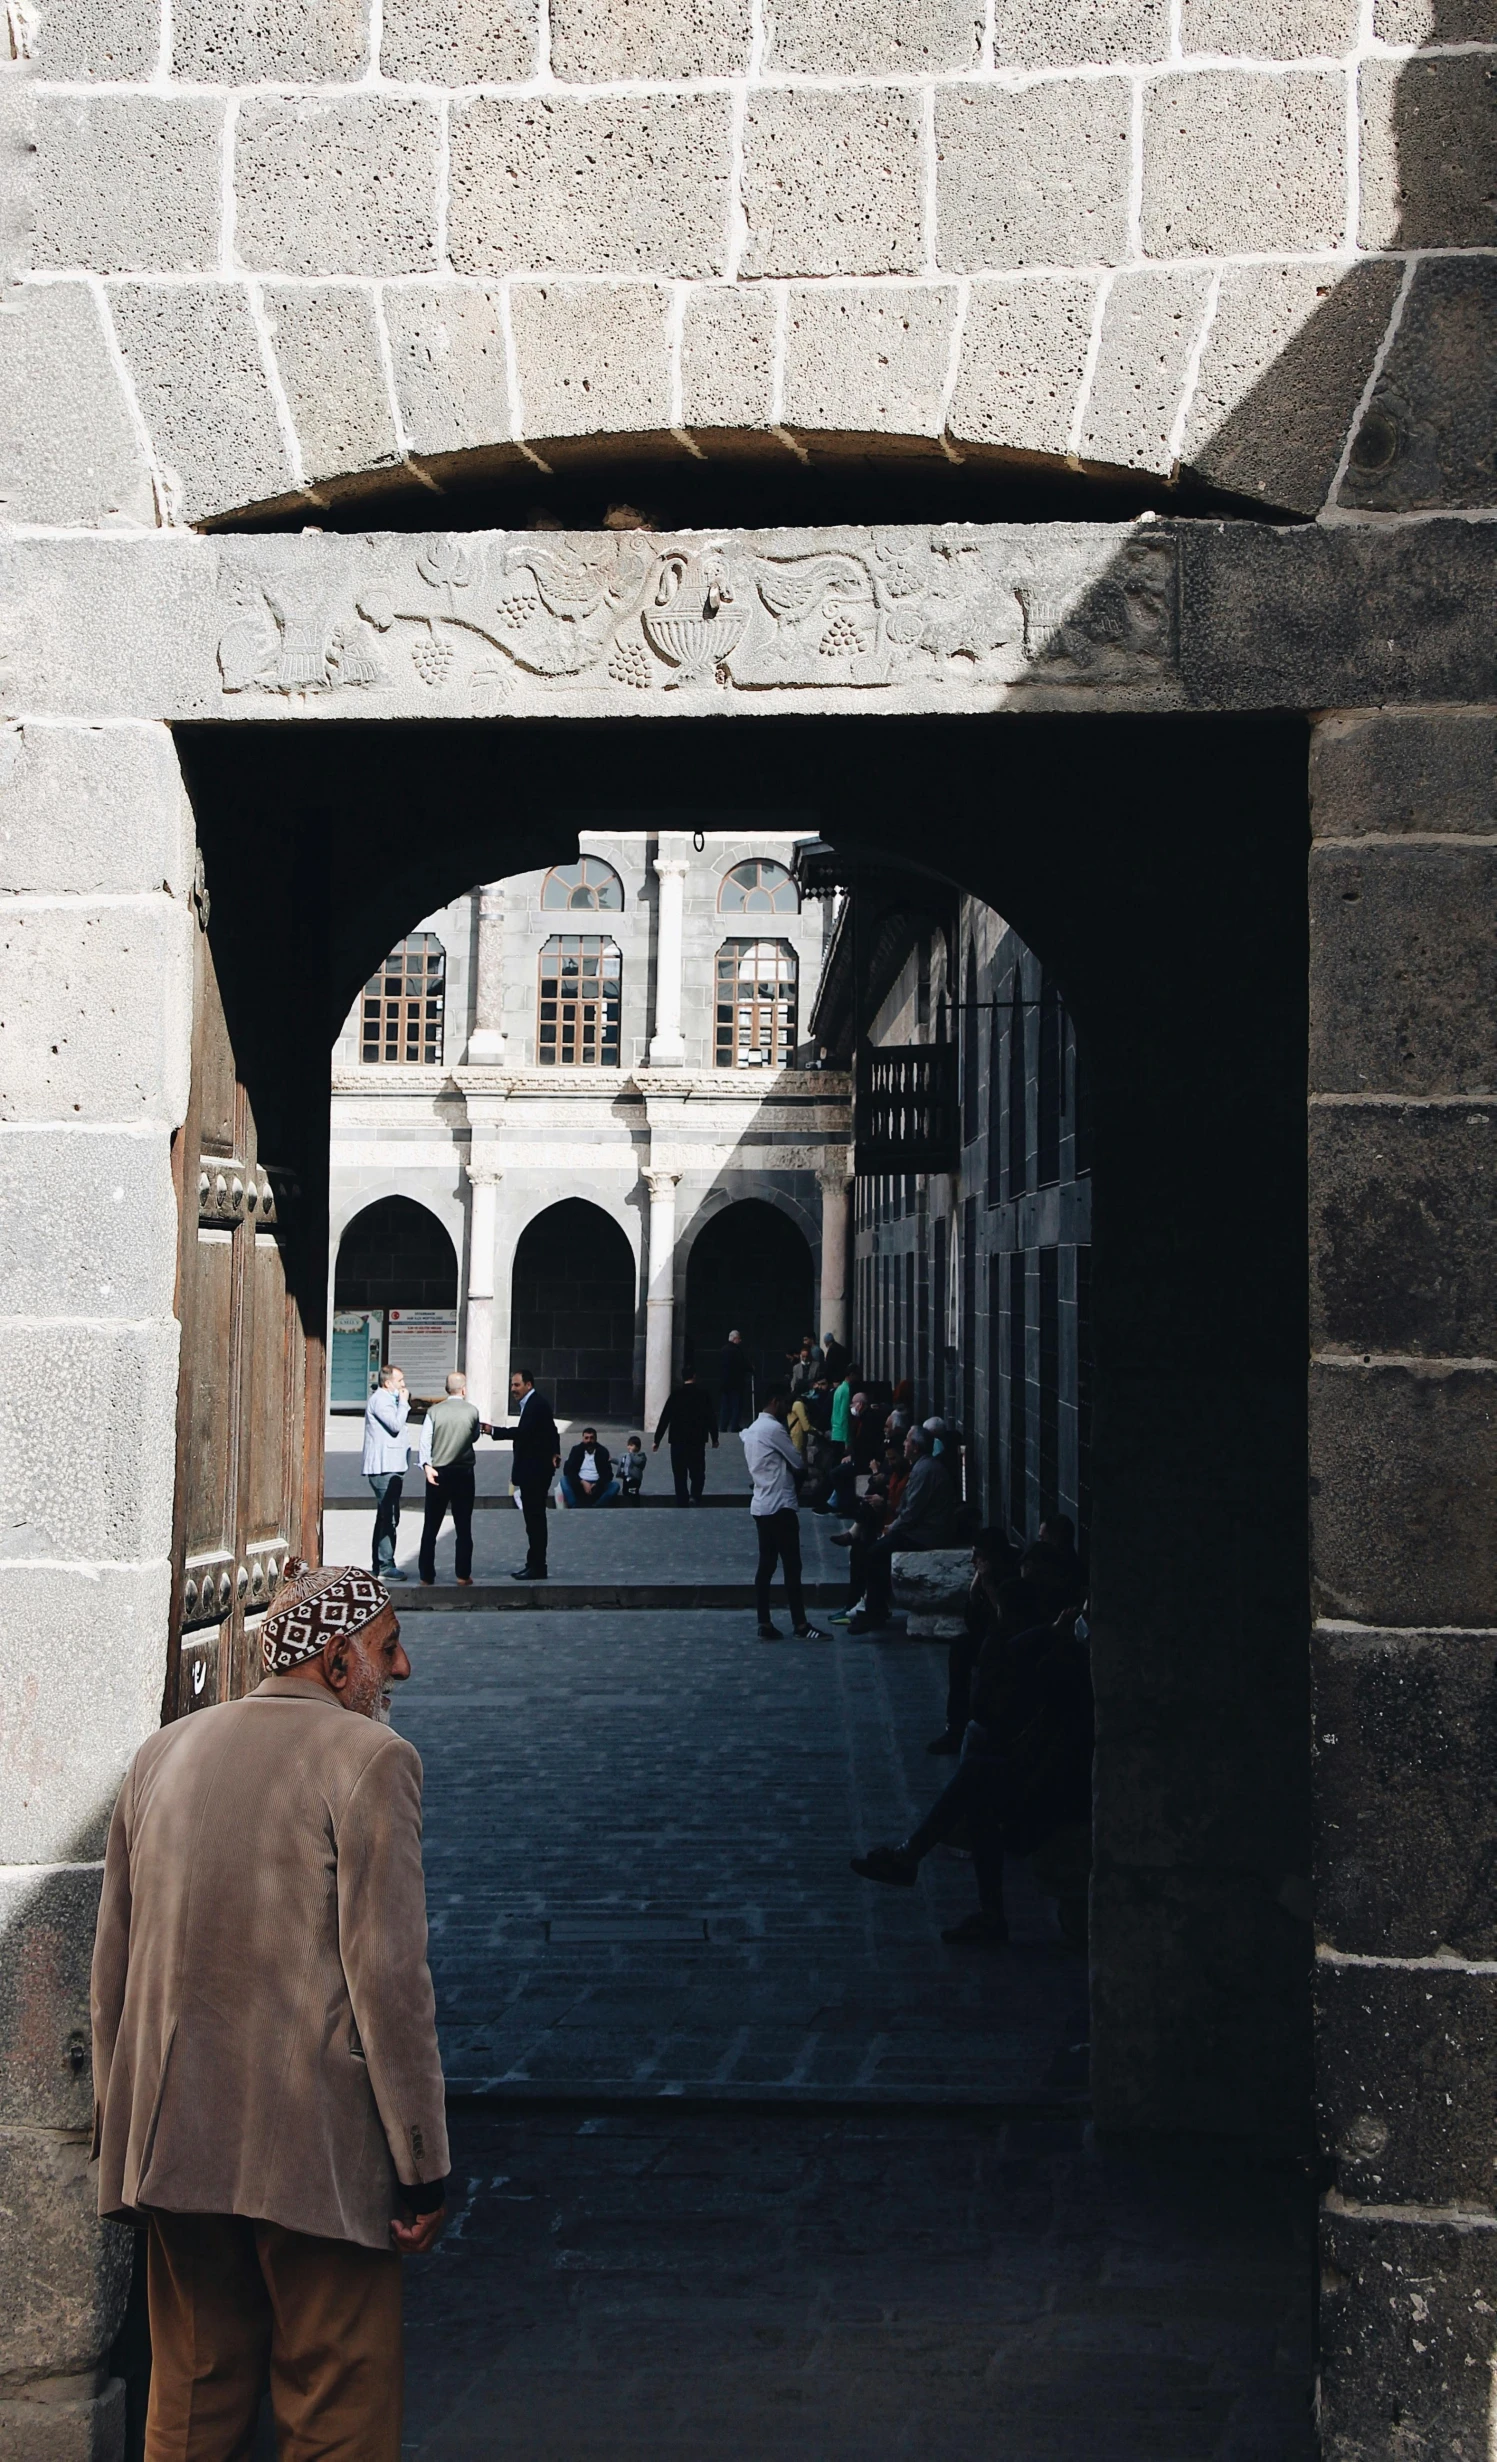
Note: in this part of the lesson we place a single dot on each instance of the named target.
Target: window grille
(588, 885)
(758, 887)
(755, 1004)
(402, 1020)
(580, 985)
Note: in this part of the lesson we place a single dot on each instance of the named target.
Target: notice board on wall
(353, 1370)
(423, 1342)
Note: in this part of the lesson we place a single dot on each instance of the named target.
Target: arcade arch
(572, 1310)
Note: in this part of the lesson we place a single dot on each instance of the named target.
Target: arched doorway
(573, 1309)
(749, 1270)
(394, 1298)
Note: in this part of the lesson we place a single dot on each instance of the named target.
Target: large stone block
(1428, 437)
(66, 1742)
(1405, 2329)
(1432, 21)
(727, 356)
(76, 1392)
(1149, 327)
(874, 38)
(873, 360)
(88, 1225)
(344, 185)
(64, 2275)
(459, 42)
(1403, 977)
(97, 1011)
(293, 41)
(1282, 372)
(627, 183)
(1269, 29)
(1406, 2067)
(591, 356)
(128, 183)
(1236, 161)
(69, 451)
(93, 808)
(1403, 1229)
(1429, 151)
(105, 39)
(664, 38)
(46, 1946)
(833, 181)
(327, 351)
(1024, 351)
(1403, 1462)
(1405, 1811)
(1033, 177)
(194, 354)
(1069, 33)
(933, 1589)
(1400, 771)
(50, 2428)
(451, 374)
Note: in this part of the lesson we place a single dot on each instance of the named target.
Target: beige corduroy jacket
(264, 2029)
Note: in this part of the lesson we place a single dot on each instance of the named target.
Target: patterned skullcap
(313, 1606)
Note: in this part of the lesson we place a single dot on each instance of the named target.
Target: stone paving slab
(637, 1843)
(690, 2285)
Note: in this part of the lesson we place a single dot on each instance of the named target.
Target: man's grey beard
(382, 1708)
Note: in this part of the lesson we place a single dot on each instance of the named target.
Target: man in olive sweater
(447, 1437)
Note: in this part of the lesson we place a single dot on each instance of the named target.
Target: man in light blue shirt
(776, 1470)
(383, 1464)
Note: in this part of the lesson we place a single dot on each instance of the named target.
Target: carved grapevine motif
(645, 615)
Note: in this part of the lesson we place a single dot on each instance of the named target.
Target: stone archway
(572, 1322)
(749, 1269)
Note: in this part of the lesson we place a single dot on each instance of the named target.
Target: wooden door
(249, 1396)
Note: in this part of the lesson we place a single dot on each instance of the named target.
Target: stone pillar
(478, 1323)
(660, 1292)
(486, 1043)
(667, 1043)
(835, 1189)
(1403, 1463)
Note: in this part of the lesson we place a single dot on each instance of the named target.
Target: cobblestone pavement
(606, 1544)
(697, 2286)
(638, 1831)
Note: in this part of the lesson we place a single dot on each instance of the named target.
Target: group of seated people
(590, 1475)
(1018, 1720)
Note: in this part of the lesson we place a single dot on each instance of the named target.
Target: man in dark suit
(691, 1419)
(537, 1456)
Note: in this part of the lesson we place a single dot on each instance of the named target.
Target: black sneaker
(892, 1865)
(770, 1632)
(527, 1572)
(811, 1632)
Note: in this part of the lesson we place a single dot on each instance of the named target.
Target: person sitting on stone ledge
(1021, 1777)
(994, 1560)
(587, 1474)
(872, 1513)
(924, 1520)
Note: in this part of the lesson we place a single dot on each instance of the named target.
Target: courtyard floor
(747, 2162)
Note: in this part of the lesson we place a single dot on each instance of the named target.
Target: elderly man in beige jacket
(268, 2090)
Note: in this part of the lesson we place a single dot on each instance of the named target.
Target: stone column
(1403, 1469)
(835, 1188)
(478, 1323)
(667, 1043)
(486, 1043)
(660, 1292)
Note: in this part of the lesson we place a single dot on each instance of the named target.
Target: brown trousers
(232, 2301)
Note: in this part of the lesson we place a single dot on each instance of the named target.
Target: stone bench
(931, 1586)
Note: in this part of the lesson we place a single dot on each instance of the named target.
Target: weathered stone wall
(265, 253)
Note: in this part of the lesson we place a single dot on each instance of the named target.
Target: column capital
(671, 867)
(834, 1177)
(658, 1182)
(483, 1175)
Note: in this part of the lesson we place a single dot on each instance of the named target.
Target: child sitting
(631, 1469)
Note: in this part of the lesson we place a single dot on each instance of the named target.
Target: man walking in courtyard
(448, 1433)
(689, 1416)
(537, 1457)
(383, 1465)
(732, 1382)
(776, 1470)
(269, 2097)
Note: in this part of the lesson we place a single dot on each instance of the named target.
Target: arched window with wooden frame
(758, 887)
(589, 886)
(756, 1002)
(401, 1021)
(577, 1017)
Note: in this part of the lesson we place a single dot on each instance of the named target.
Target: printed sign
(423, 1341)
(353, 1370)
